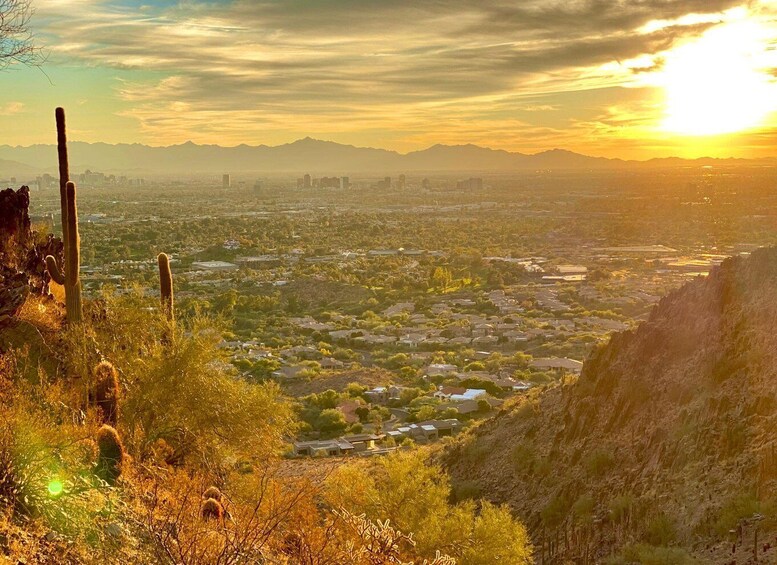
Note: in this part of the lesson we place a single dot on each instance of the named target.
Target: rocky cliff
(22, 253)
(668, 438)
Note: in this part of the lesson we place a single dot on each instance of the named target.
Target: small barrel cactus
(111, 454)
(106, 391)
(212, 492)
(212, 510)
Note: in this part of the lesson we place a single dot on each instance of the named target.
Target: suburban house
(440, 369)
(329, 447)
(288, 372)
(423, 432)
(459, 394)
(362, 442)
(560, 364)
(466, 407)
(382, 394)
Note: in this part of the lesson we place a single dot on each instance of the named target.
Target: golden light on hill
(722, 82)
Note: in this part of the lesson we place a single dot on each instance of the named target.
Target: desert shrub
(622, 508)
(186, 395)
(180, 390)
(475, 450)
(583, 508)
(740, 506)
(660, 530)
(598, 463)
(554, 513)
(414, 495)
(542, 467)
(523, 458)
(370, 543)
(651, 555)
(45, 456)
(464, 490)
(263, 508)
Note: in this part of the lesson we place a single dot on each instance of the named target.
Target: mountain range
(309, 155)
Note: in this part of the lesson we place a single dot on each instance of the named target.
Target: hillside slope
(669, 437)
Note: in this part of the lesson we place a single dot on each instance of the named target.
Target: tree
(16, 40)
(426, 413)
(331, 421)
(414, 495)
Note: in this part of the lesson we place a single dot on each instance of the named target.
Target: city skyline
(620, 79)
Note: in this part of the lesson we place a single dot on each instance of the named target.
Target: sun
(719, 84)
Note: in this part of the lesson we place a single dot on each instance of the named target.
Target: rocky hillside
(668, 438)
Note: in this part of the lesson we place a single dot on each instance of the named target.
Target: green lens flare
(55, 487)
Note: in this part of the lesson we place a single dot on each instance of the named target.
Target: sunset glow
(633, 80)
(720, 83)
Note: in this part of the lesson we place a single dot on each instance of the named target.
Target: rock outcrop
(22, 253)
(669, 436)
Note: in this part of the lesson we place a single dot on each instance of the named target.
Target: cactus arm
(54, 272)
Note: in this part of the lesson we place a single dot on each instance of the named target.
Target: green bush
(598, 463)
(523, 458)
(660, 530)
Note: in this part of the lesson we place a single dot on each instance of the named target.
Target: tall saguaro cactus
(72, 243)
(166, 287)
(70, 277)
(166, 297)
(64, 170)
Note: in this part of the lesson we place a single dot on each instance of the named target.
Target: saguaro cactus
(70, 277)
(166, 287)
(64, 170)
(67, 194)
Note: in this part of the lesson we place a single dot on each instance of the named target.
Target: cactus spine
(67, 192)
(166, 287)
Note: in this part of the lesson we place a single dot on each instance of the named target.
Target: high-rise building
(345, 182)
(258, 187)
(306, 181)
(402, 182)
(226, 180)
(329, 182)
(472, 183)
(426, 184)
(384, 184)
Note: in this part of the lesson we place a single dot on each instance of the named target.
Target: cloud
(251, 70)
(12, 108)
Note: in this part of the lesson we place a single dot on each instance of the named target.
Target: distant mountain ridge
(311, 155)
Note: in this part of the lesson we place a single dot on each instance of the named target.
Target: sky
(616, 78)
